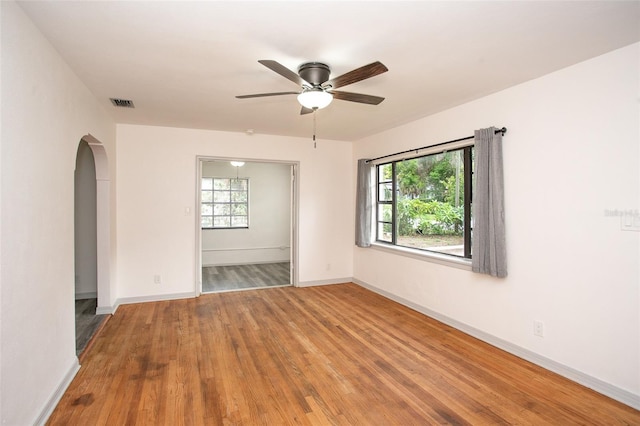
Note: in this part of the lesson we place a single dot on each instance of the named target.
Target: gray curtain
(364, 204)
(489, 254)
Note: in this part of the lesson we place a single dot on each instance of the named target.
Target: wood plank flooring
(331, 355)
(236, 277)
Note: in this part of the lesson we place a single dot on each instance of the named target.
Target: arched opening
(85, 224)
(92, 239)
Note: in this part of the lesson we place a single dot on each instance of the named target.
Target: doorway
(246, 224)
(91, 239)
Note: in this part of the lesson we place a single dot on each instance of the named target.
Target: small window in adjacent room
(225, 203)
(425, 202)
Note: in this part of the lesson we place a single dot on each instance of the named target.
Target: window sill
(441, 259)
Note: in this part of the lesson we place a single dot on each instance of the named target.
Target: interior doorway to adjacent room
(247, 224)
(88, 236)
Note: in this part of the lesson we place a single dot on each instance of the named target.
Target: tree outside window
(421, 202)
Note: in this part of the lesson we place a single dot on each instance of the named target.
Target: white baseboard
(153, 298)
(58, 393)
(106, 310)
(101, 310)
(325, 282)
(262, 262)
(584, 379)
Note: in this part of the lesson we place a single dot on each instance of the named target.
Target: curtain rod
(502, 130)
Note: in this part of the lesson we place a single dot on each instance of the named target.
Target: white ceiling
(182, 63)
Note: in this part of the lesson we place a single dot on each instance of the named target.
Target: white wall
(85, 224)
(45, 113)
(157, 184)
(571, 152)
(267, 238)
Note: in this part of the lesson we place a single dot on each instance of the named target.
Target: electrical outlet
(157, 279)
(538, 328)
(328, 268)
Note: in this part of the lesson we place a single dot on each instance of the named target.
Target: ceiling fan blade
(305, 110)
(358, 74)
(283, 71)
(356, 97)
(262, 95)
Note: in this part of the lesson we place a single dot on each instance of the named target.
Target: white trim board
(106, 310)
(325, 282)
(245, 248)
(188, 295)
(55, 397)
(584, 379)
(144, 299)
(154, 298)
(265, 262)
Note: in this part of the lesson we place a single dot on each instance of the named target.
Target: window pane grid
(384, 197)
(225, 203)
(425, 202)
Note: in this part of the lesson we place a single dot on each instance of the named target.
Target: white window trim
(427, 256)
(213, 190)
(425, 151)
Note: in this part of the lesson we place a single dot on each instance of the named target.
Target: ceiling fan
(317, 90)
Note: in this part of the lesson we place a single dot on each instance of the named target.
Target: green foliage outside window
(417, 217)
(430, 195)
(428, 209)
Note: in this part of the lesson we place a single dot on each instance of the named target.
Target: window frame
(213, 202)
(392, 202)
(467, 156)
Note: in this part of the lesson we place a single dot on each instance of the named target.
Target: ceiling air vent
(122, 103)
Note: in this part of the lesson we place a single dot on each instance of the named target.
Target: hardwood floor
(336, 354)
(236, 277)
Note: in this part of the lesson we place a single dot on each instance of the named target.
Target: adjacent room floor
(87, 322)
(237, 277)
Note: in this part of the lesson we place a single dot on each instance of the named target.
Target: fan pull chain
(314, 127)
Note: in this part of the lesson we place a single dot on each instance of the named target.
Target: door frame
(103, 224)
(294, 205)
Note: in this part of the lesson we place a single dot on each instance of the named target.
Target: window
(425, 202)
(225, 203)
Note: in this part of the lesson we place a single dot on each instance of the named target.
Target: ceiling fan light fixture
(237, 163)
(315, 98)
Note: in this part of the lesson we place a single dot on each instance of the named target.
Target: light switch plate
(630, 222)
